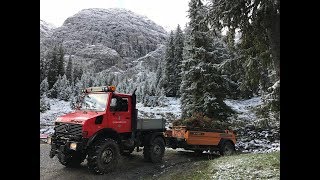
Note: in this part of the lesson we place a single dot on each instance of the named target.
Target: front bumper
(65, 145)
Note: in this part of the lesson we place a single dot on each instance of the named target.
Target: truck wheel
(155, 151)
(72, 159)
(227, 149)
(103, 156)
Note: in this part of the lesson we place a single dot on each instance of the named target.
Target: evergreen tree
(77, 73)
(202, 87)
(178, 57)
(43, 68)
(60, 68)
(69, 70)
(169, 70)
(64, 90)
(258, 21)
(44, 103)
(44, 87)
(53, 92)
(52, 56)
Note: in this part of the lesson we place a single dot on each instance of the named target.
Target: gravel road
(132, 167)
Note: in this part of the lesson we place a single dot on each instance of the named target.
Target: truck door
(120, 114)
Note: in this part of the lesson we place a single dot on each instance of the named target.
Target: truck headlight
(73, 146)
(49, 140)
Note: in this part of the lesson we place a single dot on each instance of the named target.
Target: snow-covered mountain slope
(46, 29)
(98, 39)
(130, 34)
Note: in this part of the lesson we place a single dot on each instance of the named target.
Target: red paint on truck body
(118, 121)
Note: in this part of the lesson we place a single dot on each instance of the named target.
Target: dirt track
(132, 167)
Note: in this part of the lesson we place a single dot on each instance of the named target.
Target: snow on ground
(170, 111)
(246, 166)
(244, 107)
(57, 108)
(249, 140)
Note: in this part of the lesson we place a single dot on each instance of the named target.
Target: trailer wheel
(155, 151)
(103, 156)
(227, 149)
(72, 159)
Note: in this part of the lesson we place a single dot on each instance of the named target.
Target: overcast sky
(167, 13)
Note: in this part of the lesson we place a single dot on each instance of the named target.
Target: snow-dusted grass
(246, 166)
(242, 166)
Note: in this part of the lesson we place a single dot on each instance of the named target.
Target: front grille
(69, 129)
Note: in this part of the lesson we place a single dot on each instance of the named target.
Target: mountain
(46, 29)
(101, 38)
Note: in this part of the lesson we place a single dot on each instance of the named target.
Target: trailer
(199, 140)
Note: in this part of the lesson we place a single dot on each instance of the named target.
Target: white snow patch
(57, 108)
(170, 111)
(244, 107)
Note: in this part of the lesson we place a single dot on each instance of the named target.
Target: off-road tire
(227, 149)
(154, 151)
(103, 156)
(71, 159)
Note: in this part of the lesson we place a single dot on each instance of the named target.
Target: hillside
(101, 38)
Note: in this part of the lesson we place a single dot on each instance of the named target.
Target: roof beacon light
(112, 88)
(100, 89)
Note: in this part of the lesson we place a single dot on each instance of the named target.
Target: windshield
(94, 102)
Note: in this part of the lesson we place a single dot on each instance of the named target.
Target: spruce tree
(60, 68)
(178, 57)
(44, 104)
(169, 70)
(53, 93)
(52, 56)
(44, 87)
(69, 70)
(43, 68)
(202, 87)
(64, 89)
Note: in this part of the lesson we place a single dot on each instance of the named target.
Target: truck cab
(104, 125)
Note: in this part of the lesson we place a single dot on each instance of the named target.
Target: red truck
(104, 126)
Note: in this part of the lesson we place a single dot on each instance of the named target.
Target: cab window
(119, 104)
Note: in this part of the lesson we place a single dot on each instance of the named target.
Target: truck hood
(78, 117)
